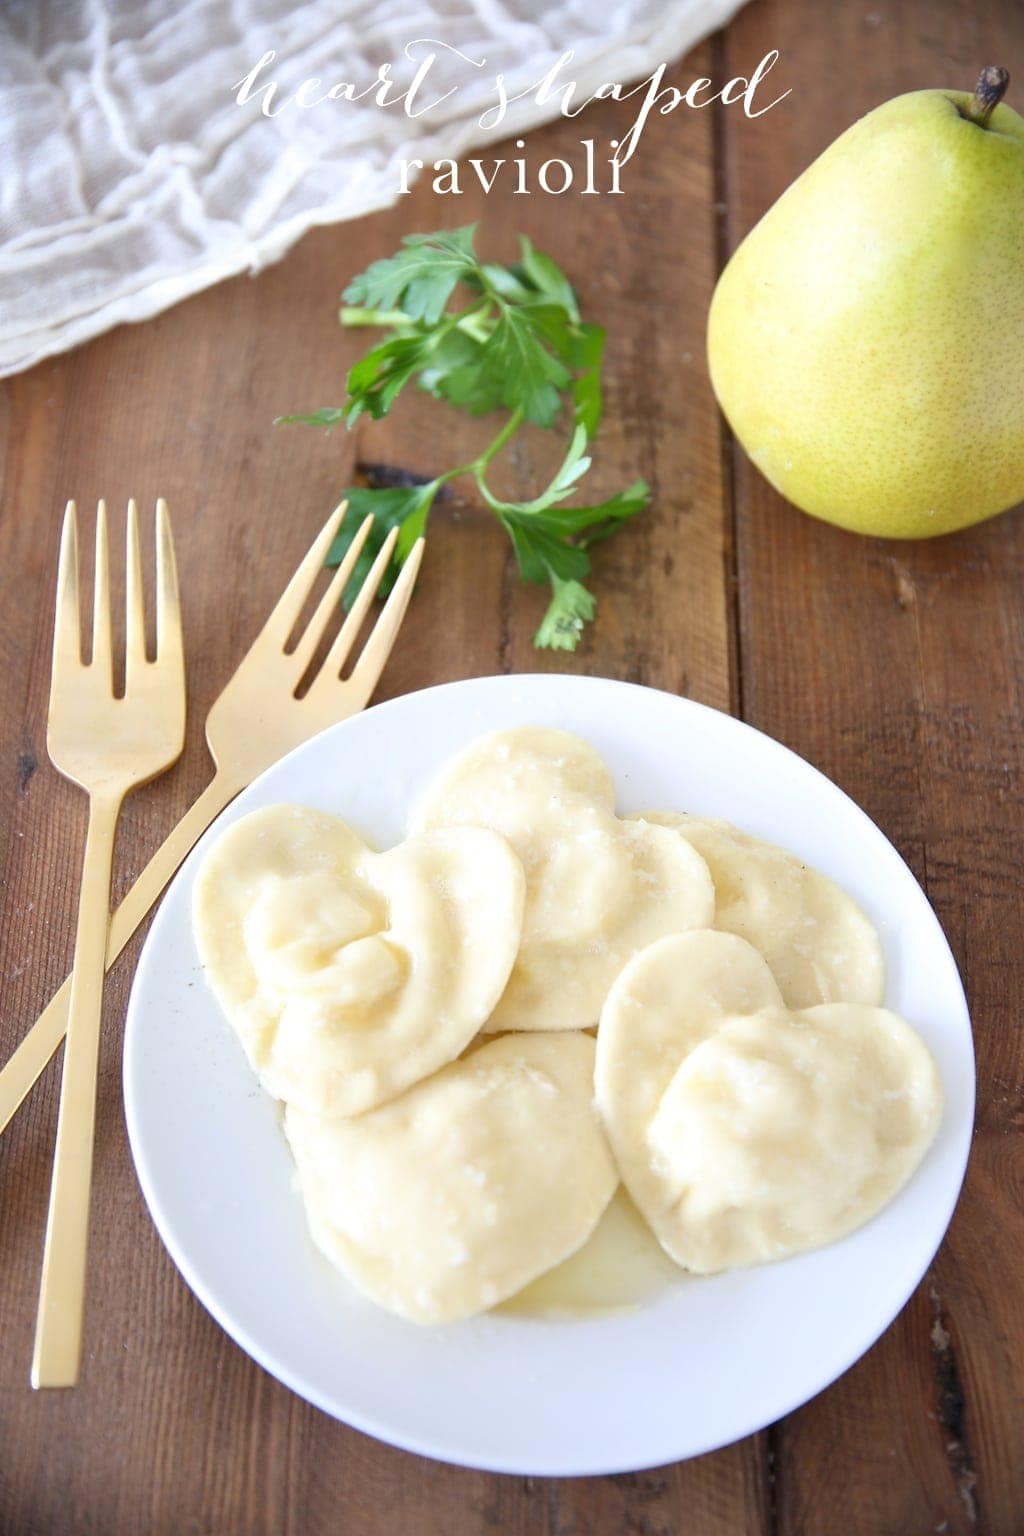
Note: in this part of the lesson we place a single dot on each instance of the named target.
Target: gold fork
(257, 718)
(108, 746)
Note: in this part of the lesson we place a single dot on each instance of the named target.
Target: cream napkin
(130, 178)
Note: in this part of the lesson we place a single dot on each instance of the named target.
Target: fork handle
(58, 1342)
(35, 1049)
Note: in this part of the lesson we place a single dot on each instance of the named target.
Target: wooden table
(896, 668)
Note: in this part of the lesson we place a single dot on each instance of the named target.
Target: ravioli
(743, 1084)
(347, 974)
(454, 1196)
(819, 944)
(746, 1131)
(597, 889)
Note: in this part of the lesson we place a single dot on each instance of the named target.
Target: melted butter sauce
(619, 1267)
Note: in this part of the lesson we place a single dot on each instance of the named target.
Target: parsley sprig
(516, 344)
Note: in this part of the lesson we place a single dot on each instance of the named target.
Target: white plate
(700, 1364)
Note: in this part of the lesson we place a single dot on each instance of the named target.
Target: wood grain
(896, 668)
(173, 1429)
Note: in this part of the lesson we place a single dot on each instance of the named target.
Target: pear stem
(988, 93)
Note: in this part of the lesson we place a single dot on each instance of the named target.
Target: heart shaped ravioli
(454, 1196)
(349, 974)
(820, 946)
(745, 1131)
(597, 889)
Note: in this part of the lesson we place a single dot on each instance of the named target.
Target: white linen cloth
(130, 177)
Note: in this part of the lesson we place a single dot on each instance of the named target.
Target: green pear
(866, 340)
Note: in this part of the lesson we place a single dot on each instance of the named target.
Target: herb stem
(474, 321)
(357, 316)
(496, 444)
(478, 465)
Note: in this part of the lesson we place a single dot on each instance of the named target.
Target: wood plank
(650, 629)
(896, 668)
(173, 1429)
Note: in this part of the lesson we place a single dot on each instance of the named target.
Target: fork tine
(67, 629)
(338, 653)
(101, 649)
(168, 606)
(303, 652)
(286, 611)
(377, 649)
(135, 615)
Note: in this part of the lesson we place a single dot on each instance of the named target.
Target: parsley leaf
(526, 373)
(375, 382)
(543, 556)
(421, 278)
(586, 358)
(598, 522)
(547, 278)
(516, 344)
(570, 608)
(404, 507)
